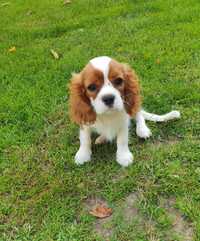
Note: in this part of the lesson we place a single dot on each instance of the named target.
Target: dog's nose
(108, 100)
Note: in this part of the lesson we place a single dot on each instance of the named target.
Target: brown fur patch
(90, 76)
(129, 88)
(81, 111)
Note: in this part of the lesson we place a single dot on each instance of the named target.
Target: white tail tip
(175, 114)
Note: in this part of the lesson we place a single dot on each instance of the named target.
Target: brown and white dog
(103, 97)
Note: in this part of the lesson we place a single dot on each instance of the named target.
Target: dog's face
(104, 84)
(102, 87)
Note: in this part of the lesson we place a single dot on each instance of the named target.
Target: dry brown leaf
(54, 53)
(29, 13)
(66, 2)
(12, 49)
(101, 211)
(5, 4)
(157, 61)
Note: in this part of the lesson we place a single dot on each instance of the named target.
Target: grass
(42, 192)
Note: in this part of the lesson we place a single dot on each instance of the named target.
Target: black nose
(108, 100)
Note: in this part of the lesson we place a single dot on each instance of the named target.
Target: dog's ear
(132, 99)
(81, 111)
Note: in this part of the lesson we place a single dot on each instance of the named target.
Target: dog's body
(103, 98)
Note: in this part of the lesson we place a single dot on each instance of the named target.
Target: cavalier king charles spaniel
(104, 96)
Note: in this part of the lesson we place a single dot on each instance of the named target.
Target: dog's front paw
(124, 158)
(143, 132)
(82, 156)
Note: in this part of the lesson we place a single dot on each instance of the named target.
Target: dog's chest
(109, 125)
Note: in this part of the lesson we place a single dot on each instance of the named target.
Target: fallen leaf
(101, 211)
(12, 49)
(29, 13)
(54, 53)
(66, 2)
(5, 4)
(157, 61)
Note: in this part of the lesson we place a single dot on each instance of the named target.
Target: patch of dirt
(169, 142)
(181, 226)
(103, 226)
(93, 201)
(129, 208)
(130, 212)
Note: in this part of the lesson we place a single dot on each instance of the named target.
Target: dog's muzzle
(108, 100)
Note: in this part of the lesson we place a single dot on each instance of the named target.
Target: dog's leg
(100, 140)
(84, 153)
(124, 156)
(160, 118)
(141, 128)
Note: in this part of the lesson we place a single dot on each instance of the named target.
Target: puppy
(104, 96)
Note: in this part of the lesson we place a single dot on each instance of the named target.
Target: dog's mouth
(111, 110)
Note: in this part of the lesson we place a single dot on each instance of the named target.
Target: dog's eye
(92, 87)
(118, 81)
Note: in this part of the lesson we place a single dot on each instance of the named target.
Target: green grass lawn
(43, 194)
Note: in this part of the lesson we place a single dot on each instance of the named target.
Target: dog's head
(102, 87)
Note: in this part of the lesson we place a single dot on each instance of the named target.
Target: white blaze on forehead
(102, 64)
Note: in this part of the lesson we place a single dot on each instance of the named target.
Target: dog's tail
(161, 118)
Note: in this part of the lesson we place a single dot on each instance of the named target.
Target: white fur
(110, 122)
(102, 63)
(84, 153)
(107, 126)
(113, 122)
(124, 156)
(100, 106)
(141, 128)
(161, 118)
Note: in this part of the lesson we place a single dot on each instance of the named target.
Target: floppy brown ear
(132, 99)
(81, 111)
